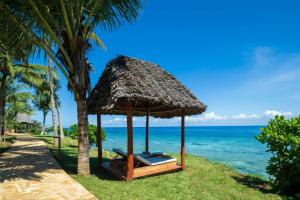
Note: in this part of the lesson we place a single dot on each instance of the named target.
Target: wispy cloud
(273, 113)
(118, 119)
(245, 116)
(210, 117)
(270, 67)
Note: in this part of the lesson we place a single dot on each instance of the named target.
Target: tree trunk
(2, 105)
(44, 121)
(61, 130)
(52, 105)
(2, 114)
(83, 139)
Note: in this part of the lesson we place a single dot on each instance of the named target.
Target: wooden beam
(182, 140)
(129, 142)
(147, 130)
(99, 139)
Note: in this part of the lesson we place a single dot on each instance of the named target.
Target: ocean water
(235, 146)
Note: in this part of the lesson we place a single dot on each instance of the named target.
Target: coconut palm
(41, 101)
(46, 98)
(70, 24)
(17, 101)
(31, 75)
(15, 49)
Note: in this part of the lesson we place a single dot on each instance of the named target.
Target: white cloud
(273, 113)
(213, 116)
(210, 117)
(245, 116)
(206, 117)
(115, 120)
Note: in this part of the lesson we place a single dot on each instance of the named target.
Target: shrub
(36, 128)
(283, 141)
(92, 129)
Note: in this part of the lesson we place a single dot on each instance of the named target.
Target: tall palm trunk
(2, 104)
(52, 104)
(61, 130)
(83, 139)
(44, 121)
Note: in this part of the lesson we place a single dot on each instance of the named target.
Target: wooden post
(129, 142)
(147, 130)
(99, 139)
(59, 147)
(182, 140)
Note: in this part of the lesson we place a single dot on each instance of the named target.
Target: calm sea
(235, 146)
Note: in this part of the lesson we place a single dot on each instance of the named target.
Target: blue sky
(241, 58)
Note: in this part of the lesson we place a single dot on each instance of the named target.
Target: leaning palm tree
(70, 25)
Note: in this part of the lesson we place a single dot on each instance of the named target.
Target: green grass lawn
(201, 180)
(6, 143)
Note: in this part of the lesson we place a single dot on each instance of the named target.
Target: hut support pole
(182, 140)
(147, 130)
(129, 143)
(99, 139)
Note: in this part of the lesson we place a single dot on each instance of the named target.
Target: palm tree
(31, 75)
(70, 24)
(41, 101)
(15, 49)
(46, 97)
(52, 101)
(16, 101)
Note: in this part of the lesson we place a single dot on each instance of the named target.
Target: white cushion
(157, 160)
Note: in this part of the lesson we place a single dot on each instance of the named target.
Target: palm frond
(97, 40)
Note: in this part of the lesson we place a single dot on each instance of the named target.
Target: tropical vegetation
(282, 137)
(72, 132)
(63, 30)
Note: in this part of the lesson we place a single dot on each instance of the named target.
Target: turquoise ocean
(234, 146)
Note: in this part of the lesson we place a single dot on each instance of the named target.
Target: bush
(283, 141)
(92, 129)
(36, 128)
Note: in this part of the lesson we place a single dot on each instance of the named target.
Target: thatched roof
(146, 85)
(24, 118)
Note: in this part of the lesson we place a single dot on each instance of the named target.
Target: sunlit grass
(201, 180)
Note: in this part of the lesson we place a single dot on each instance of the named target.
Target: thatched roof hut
(146, 85)
(24, 118)
(130, 86)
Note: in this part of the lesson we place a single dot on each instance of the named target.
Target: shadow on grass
(259, 184)
(254, 182)
(68, 161)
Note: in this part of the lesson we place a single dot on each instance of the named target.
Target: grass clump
(202, 180)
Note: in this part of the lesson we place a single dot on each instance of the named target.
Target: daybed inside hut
(133, 87)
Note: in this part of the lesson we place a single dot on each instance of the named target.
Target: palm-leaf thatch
(24, 118)
(146, 85)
